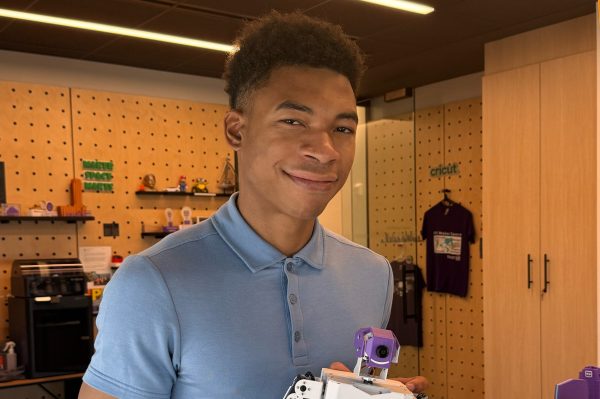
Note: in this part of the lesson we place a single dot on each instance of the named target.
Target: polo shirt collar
(253, 250)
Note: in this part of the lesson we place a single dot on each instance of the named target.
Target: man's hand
(87, 392)
(416, 384)
(339, 366)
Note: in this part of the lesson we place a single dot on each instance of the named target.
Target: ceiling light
(117, 30)
(403, 5)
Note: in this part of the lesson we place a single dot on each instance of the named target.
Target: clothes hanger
(447, 201)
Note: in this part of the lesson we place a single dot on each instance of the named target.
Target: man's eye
(291, 122)
(343, 129)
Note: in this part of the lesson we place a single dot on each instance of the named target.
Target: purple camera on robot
(377, 347)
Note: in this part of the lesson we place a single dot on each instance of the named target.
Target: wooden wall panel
(570, 37)
(512, 223)
(568, 209)
(141, 135)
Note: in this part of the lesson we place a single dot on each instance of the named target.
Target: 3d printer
(50, 316)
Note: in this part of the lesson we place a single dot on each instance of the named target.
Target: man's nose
(321, 147)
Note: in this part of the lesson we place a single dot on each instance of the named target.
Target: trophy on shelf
(227, 181)
(186, 216)
(169, 228)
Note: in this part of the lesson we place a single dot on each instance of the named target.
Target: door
(568, 218)
(511, 200)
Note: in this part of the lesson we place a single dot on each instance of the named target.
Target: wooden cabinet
(539, 221)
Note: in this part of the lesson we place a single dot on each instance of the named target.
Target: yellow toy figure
(200, 185)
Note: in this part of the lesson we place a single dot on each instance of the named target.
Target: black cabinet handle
(529, 262)
(546, 281)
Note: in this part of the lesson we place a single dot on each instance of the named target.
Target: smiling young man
(238, 305)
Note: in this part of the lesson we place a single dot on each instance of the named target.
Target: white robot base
(335, 384)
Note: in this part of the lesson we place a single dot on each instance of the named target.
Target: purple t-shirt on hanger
(448, 230)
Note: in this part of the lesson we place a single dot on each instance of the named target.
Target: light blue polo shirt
(214, 311)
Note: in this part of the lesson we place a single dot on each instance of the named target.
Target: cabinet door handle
(529, 262)
(546, 281)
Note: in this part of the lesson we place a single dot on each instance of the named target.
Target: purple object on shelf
(377, 345)
(586, 387)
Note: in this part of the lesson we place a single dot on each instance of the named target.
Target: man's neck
(287, 234)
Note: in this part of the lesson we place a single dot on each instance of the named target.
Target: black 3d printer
(50, 316)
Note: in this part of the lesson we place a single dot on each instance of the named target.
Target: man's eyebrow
(348, 115)
(295, 106)
(303, 108)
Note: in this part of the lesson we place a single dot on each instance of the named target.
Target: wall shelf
(181, 194)
(155, 234)
(68, 219)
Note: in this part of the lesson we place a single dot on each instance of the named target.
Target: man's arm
(135, 348)
(87, 392)
(416, 384)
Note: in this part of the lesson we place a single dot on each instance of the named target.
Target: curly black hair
(277, 40)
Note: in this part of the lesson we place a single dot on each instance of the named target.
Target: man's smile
(312, 181)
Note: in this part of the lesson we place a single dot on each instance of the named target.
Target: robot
(375, 348)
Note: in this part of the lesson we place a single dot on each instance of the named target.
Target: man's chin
(310, 211)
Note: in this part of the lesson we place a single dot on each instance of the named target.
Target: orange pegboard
(142, 135)
(46, 133)
(35, 145)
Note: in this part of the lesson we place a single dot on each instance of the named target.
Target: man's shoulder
(191, 237)
(337, 244)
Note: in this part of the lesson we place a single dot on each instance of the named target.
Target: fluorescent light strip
(403, 5)
(117, 30)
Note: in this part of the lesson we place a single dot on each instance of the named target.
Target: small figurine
(200, 185)
(182, 184)
(227, 182)
(76, 208)
(148, 183)
(11, 210)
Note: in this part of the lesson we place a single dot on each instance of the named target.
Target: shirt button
(293, 299)
(289, 267)
(297, 336)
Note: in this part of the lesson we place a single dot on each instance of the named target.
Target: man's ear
(234, 124)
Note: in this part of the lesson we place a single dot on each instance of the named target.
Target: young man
(241, 303)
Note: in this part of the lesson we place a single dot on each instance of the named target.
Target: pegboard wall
(452, 354)
(45, 134)
(142, 135)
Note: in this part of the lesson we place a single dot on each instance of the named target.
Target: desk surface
(31, 381)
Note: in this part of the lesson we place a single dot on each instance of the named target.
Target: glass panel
(392, 227)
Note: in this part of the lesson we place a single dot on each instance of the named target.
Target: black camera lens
(382, 351)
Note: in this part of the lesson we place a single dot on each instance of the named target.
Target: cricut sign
(444, 170)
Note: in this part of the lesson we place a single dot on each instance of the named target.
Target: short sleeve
(138, 335)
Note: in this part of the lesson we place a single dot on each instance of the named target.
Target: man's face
(297, 138)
